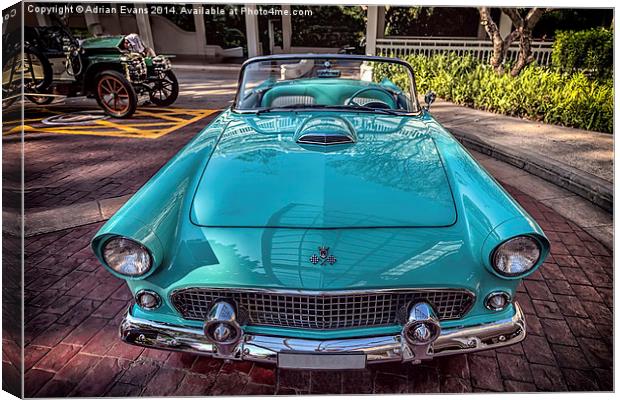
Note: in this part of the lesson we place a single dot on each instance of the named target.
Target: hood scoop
(325, 131)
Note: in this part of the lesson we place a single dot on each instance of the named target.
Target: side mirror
(429, 99)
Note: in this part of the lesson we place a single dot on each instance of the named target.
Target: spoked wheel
(116, 95)
(166, 90)
(37, 71)
(11, 80)
(30, 67)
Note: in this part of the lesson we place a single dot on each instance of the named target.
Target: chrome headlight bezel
(536, 257)
(156, 297)
(141, 250)
(490, 306)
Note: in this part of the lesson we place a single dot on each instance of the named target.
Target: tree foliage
(538, 93)
(431, 21)
(590, 51)
(329, 26)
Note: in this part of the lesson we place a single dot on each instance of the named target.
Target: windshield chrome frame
(283, 57)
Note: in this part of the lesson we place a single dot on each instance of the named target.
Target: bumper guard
(377, 349)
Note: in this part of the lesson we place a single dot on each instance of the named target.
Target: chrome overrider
(421, 338)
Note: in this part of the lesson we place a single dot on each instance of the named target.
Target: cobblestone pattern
(70, 169)
(74, 307)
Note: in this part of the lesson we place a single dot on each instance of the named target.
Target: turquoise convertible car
(324, 221)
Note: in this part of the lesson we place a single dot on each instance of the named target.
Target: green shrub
(590, 51)
(538, 93)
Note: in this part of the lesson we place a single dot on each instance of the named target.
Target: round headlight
(516, 256)
(126, 256)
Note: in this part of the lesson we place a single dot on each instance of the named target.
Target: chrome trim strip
(322, 292)
(260, 348)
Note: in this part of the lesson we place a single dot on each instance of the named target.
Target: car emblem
(323, 258)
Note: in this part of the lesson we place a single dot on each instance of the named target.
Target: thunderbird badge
(323, 258)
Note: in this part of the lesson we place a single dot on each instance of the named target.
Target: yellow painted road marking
(124, 128)
(143, 124)
(150, 123)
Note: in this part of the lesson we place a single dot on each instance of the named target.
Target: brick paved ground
(73, 306)
(108, 166)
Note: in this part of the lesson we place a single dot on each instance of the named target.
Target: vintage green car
(115, 70)
(325, 221)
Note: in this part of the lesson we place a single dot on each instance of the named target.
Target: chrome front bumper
(378, 349)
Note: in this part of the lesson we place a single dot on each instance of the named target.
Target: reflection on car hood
(105, 42)
(260, 176)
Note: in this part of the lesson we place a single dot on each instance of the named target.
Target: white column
(93, 23)
(43, 19)
(287, 29)
(116, 28)
(251, 30)
(271, 35)
(201, 36)
(144, 27)
(482, 33)
(505, 25)
(380, 22)
(371, 31)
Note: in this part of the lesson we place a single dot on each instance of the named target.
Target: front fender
(153, 214)
(517, 226)
(93, 68)
(135, 229)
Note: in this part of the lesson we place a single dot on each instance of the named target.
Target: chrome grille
(324, 310)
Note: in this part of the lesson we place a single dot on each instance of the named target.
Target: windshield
(356, 83)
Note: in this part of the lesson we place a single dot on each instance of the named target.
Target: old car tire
(41, 77)
(37, 74)
(115, 95)
(10, 90)
(165, 92)
(40, 100)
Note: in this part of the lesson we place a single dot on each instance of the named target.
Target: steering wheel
(352, 102)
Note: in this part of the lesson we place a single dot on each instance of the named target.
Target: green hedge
(537, 93)
(590, 51)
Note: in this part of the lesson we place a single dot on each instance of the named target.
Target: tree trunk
(499, 53)
(525, 51)
(523, 31)
(499, 48)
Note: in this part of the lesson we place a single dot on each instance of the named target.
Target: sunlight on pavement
(149, 123)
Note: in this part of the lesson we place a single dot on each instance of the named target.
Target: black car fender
(92, 70)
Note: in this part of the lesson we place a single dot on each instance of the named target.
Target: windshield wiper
(334, 107)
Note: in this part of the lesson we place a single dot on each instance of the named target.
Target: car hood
(259, 175)
(105, 42)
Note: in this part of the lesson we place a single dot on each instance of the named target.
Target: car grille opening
(324, 139)
(322, 310)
